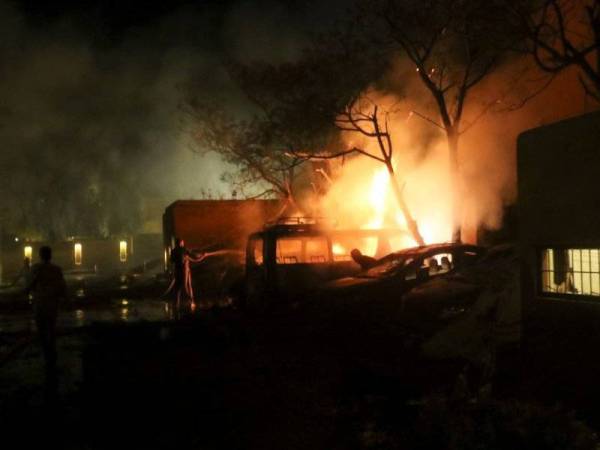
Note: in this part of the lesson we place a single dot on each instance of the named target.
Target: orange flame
(362, 197)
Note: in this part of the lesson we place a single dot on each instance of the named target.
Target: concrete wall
(220, 223)
(559, 191)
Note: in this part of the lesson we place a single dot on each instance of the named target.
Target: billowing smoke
(487, 154)
(91, 124)
(91, 129)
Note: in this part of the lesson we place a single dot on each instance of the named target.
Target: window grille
(570, 271)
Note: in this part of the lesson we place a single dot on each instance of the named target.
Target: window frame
(577, 297)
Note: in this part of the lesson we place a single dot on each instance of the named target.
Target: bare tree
(453, 48)
(365, 117)
(248, 146)
(375, 124)
(561, 34)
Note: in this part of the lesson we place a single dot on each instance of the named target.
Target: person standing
(47, 286)
(182, 283)
(178, 259)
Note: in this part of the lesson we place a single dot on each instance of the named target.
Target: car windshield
(387, 266)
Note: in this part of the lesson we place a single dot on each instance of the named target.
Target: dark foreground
(220, 379)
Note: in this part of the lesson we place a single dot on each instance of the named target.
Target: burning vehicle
(383, 295)
(295, 255)
(399, 272)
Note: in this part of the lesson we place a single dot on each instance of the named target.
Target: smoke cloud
(92, 129)
(91, 124)
(487, 152)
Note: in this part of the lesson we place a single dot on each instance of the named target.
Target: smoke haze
(91, 124)
(90, 118)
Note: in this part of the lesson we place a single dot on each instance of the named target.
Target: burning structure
(559, 211)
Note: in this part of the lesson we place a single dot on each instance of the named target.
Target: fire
(378, 198)
(362, 197)
(338, 249)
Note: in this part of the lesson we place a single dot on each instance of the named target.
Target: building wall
(216, 223)
(102, 255)
(559, 192)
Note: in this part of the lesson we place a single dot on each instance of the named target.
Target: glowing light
(123, 251)
(362, 196)
(78, 254)
(338, 249)
(378, 198)
(28, 252)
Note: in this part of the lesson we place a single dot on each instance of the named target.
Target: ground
(134, 374)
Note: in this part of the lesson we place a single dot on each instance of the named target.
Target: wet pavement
(108, 299)
(80, 315)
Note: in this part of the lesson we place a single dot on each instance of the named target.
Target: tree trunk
(288, 206)
(452, 136)
(410, 222)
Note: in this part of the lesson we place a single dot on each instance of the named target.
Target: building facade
(559, 212)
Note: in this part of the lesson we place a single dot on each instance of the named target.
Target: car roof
(318, 230)
(433, 248)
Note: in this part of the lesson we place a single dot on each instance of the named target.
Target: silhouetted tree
(288, 118)
(562, 34)
(454, 45)
(248, 145)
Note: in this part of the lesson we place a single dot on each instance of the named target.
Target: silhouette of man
(365, 262)
(178, 259)
(48, 287)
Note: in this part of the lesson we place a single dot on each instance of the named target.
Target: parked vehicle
(399, 272)
(376, 302)
(415, 298)
(294, 256)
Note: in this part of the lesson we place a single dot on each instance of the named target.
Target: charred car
(444, 300)
(378, 299)
(294, 256)
(399, 272)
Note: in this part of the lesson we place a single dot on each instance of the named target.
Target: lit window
(28, 252)
(317, 250)
(311, 250)
(289, 251)
(257, 249)
(77, 253)
(123, 251)
(574, 271)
